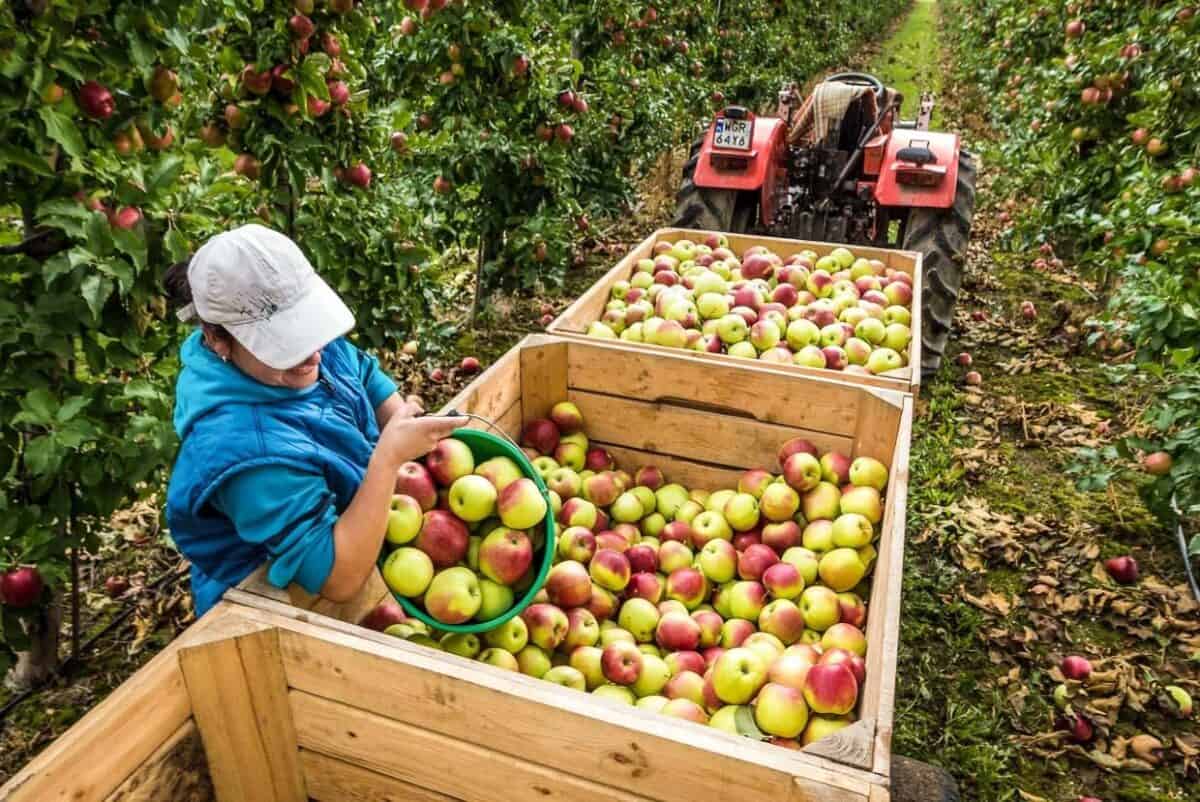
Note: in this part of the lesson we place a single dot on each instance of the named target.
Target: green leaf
(38, 407)
(164, 174)
(59, 265)
(62, 130)
(43, 455)
(96, 289)
(132, 244)
(72, 407)
(743, 719)
(177, 245)
(11, 154)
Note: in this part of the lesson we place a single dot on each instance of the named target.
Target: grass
(909, 60)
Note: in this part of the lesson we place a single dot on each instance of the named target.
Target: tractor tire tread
(941, 236)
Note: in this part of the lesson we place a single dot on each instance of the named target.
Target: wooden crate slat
(333, 780)
(769, 395)
(510, 713)
(416, 755)
(543, 380)
(155, 697)
(665, 428)
(491, 397)
(880, 694)
(239, 699)
(178, 770)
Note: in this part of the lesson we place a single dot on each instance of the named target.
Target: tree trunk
(36, 666)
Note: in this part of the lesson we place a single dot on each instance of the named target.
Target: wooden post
(239, 698)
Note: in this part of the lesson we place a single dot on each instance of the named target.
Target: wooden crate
(291, 703)
(589, 307)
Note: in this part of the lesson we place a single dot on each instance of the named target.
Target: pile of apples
(464, 535)
(836, 311)
(739, 608)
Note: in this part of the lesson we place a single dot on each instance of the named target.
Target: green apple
(408, 571)
(810, 356)
(653, 678)
(822, 726)
(512, 635)
(500, 659)
(566, 676)
(868, 472)
(618, 693)
(780, 710)
(732, 329)
(718, 560)
(805, 560)
(502, 471)
(463, 644)
(669, 499)
(495, 599)
(897, 337)
(897, 314)
(852, 530)
(654, 704)
(821, 608)
(600, 330)
(533, 661)
(404, 519)
(544, 466)
(883, 360)
(738, 674)
(521, 504)
(871, 330)
(716, 501)
(802, 333)
(646, 497)
(472, 498)
(741, 512)
(587, 660)
(453, 596)
(639, 617)
(841, 569)
(627, 508)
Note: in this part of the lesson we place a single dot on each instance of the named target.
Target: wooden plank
(880, 793)
(511, 421)
(543, 376)
(176, 772)
(239, 698)
(573, 322)
(877, 427)
(768, 395)
(689, 473)
(634, 750)
(671, 429)
(918, 319)
(853, 745)
(882, 659)
(373, 591)
(333, 780)
(420, 757)
(96, 755)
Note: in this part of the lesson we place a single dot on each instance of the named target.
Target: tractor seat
(834, 116)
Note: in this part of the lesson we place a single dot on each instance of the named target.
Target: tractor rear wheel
(726, 210)
(940, 236)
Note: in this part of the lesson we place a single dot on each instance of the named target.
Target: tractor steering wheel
(860, 79)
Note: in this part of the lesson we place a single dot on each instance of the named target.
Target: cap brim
(287, 338)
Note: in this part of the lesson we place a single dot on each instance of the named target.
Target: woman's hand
(405, 439)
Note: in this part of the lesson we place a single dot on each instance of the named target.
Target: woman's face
(297, 378)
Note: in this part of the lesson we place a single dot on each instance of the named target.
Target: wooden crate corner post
(239, 697)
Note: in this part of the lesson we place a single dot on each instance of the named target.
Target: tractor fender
(768, 154)
(888, 192)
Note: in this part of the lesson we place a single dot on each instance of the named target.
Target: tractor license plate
(732, 134)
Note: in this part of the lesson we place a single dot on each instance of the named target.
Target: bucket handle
(458, 413)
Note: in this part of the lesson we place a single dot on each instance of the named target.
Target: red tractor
(840, 167)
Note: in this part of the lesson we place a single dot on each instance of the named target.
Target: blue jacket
(263, 472)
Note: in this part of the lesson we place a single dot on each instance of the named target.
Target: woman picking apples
(291, 436)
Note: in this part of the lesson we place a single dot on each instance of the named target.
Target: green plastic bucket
(485, 445)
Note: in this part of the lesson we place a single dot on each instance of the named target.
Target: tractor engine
(809, 207)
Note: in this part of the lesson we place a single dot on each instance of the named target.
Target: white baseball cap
(258, 285)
